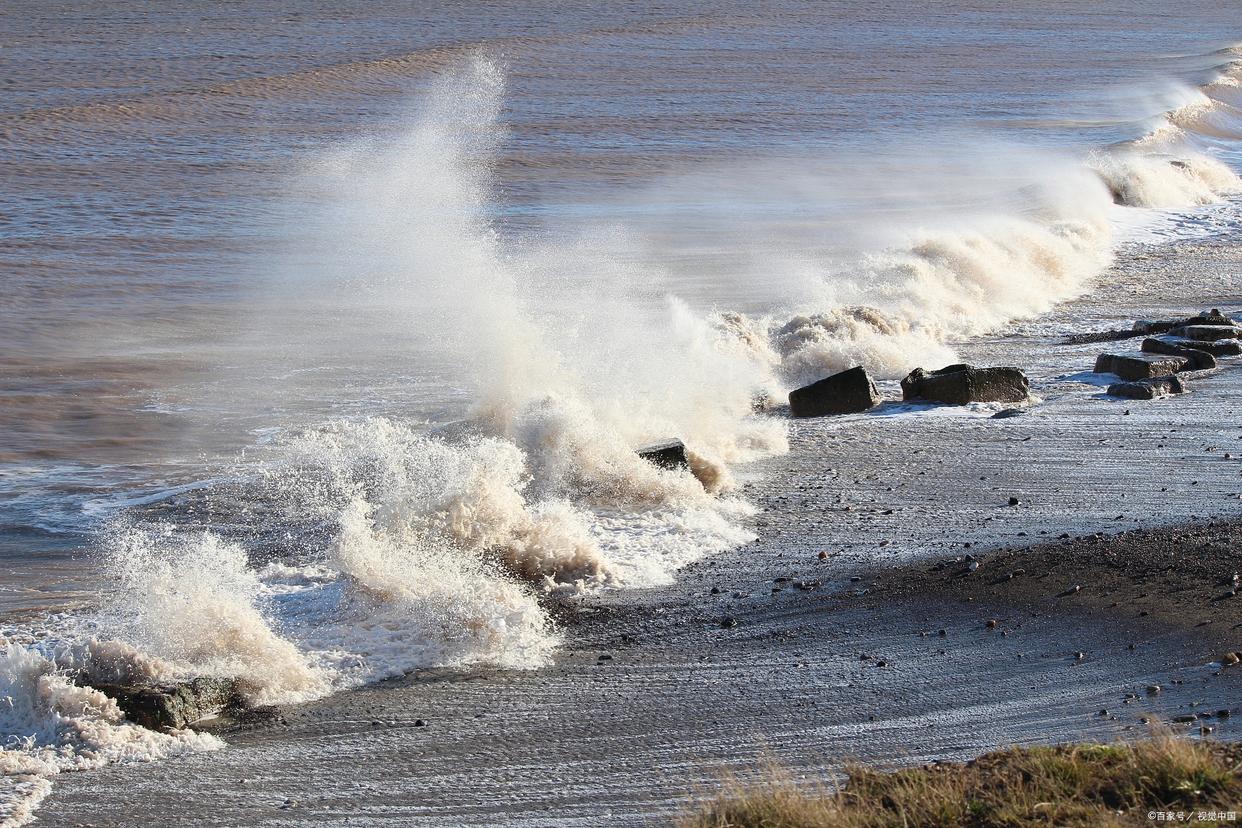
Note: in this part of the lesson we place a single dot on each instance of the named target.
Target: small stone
(991, 623)
(419, 723)
(1079, 656)
(1230, 659)
(823, 556)
(1013, 501)
(1153, 689)
(728, 623)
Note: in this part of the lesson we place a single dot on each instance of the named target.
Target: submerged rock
(171, 707)
(1140, 366)
(1149, 389)
(670, 454)
(848, 392)
(1200, 360)
(962, 384)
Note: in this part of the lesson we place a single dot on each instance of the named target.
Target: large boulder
(1217, 348)
(1149, 389)
(669, 454)
(1207, 333)
(962, 384)
(172, 707)
(1199, 360)
(845, 393)
(1140, 366)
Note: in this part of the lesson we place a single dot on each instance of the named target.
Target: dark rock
(1013, 501)
(962, 384)
(1149, 389)
(172, 707)
(1217, 348)
(1103, 336)
(1185, 718)
(728, 623)
(1149, 326)
(1199, 360)
(1230, 659)
(1212, 317)
(848, 392)
(1006, 413)
(670, 454)
(1207, 333)
(1140, 366)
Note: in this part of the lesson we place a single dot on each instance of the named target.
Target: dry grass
(1073, 785)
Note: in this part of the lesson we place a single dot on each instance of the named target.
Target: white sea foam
(49, 725)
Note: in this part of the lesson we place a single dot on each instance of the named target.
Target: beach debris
(1149, 389)
(173, 706)
(667, 454)
(848, 392)
(1200, 360)
(1139, 366)
(961, 384)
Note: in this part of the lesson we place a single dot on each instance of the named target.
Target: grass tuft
(1075, 786)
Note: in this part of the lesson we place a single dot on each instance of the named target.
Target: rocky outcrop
(848, 392)
(962, 384)
(1149, 389)
(669, 454)
(171, 707)
(1140, 366)
(1199, 360)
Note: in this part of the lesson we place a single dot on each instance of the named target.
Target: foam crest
(191, 605)
(1138, 179)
